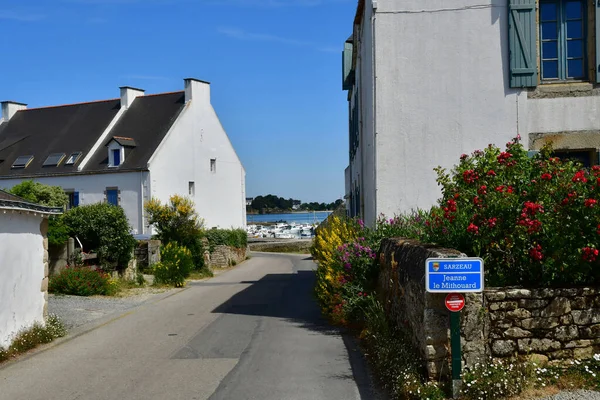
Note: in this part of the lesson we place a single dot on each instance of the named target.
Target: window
(191, 188)
(585, 157)
(213, 165)
(53, 159)
(73, 158)
(562, 39)
(73, 199)
(116, 155)
(112, 196)
(22, 161)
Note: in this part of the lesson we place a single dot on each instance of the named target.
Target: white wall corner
(101, 140)
(10, 108)
(198, 90)
(129, 94)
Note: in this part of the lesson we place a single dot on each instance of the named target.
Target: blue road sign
(449, 275)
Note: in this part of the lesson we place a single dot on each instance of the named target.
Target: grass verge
(33, 337)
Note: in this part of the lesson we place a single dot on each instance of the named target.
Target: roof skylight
(22, 161)
(53, 159)
(73, 158)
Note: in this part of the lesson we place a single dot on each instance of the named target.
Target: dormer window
(116, 150)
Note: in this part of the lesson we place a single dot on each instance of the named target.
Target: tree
(49, 196)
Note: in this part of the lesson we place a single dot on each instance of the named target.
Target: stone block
(504, 305)
(582, 302)
(566, 319)
(586, 317)
(503, 348)
(566, 333)
(434, 352)
(518, 294)
(494, 295)
(583, 353)
(589, 291)
(519, 313)
(45, 310)
(561, 354)
(538, 345)
(578, 343)
(571, 292)
(45, 257)
(44, 287)
(45, 244)
(46, 269)
(517, 333)
(539, 323)
(533, 303)
(543, 293)
(436, 336)
(538, 359)
(557, 307)
(497, 316)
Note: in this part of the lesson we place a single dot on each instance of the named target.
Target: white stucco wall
(21, 274)
(184, 156)
(91, 190)
(440, 73)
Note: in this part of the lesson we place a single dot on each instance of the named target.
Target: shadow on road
(290, 297)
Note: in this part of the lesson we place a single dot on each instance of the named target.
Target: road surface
(254, 332)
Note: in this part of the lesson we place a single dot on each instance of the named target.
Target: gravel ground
(75, 311)
(575, 395)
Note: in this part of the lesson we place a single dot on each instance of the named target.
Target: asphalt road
(254, 332)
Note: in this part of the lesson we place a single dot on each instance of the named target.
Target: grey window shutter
(597, 8)
(522, 43)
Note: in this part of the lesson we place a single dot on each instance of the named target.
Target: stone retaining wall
(226, 256)
(548, 325)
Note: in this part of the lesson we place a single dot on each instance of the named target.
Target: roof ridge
(71, 104)
(162, 94)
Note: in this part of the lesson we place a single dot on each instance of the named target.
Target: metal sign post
(453, 275)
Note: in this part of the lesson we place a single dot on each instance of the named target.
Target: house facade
(24, 261)
(128, 150)
(429, 80)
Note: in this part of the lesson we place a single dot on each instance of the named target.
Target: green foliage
(178, 222)
(271, 203)
(495, 379)
(237, 238)
(33, 337)
(393, 357)
(102, 228)
(175, 266)
(35, 192)
(81, 281)
(49, 196)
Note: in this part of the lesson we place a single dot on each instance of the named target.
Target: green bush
(81, 281)
(237, 238)
(177, 222)
(58, 232)
(175, 266)
(102, 228)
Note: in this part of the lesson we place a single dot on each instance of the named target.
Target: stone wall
(147, 253)
(226, 256)
(548, 325)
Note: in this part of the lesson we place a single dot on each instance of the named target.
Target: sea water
(299, 218)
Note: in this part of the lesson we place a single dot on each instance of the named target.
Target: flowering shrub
(36, 335)
(175, 266)
(82, 281)
(535, 221)
(495, 379)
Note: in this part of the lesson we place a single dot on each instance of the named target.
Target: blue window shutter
(75, 199)
(597, 8)
(522, 43)
(112, 197)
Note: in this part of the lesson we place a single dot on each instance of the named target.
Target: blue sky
(274, 65)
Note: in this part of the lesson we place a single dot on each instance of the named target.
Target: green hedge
(237, 238)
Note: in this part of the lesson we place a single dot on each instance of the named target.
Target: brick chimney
(9, 108)
(198, 90)
(128, 95)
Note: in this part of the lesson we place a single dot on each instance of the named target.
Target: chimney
(195, 89)
(128, 95)
(9, 108)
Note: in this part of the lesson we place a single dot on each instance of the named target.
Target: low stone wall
(548, 325)
(147, 253)
(226, 256)
(281, 245)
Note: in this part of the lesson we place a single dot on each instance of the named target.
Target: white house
(127, 150)
(23, 265)
(429, 80)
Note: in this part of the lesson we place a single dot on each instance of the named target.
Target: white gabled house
(429, 80)
(127, 150)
